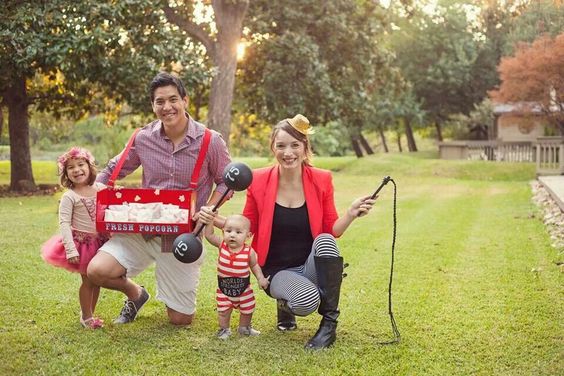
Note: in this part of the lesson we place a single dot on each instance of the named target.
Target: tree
(322, 60)
(26, 50)
(502, 24)
(221, 48)
(532, 19)
(436, 52)
(71, 57)
(495, 18)
(286, 75)
(407, 112)
(535, 74)
(396, 108)
(477, 125)
(1, 124)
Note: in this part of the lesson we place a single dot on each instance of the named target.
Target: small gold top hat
(301, 124)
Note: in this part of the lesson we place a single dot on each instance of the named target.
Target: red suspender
(122, 159)
(197, 167)
(200, 160)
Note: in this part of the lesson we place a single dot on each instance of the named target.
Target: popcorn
(116, 216)
(169, 208)
(154, 212)
(137, 198)
(118, 208)
(182, 216)
(146, 215)
(167, 218)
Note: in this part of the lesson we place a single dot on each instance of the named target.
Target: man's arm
(219, 159)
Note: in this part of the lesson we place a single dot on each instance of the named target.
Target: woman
(295, 223)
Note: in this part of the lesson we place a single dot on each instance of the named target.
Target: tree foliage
(536, 74)
(532, 19)
(437, 52)
(477, 125)
(495, 21)
(77, 45)
(72, 57)
(323, 60)
(286, 75)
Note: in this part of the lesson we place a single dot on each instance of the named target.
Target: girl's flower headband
(74, 153)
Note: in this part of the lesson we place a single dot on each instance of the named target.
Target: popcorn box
(184, 199)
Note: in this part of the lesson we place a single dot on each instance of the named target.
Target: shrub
(328, 141)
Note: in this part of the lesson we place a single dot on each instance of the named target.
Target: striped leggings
(298, 285)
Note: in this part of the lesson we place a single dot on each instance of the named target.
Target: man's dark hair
(166, 79)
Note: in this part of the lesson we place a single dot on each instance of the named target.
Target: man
(167, 150)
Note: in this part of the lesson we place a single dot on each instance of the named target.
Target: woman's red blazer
(261, 197)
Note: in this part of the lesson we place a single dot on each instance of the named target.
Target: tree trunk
(356, 147)
(229, 17)
(365, 144)
(21, 174)
(1, 124)
(197, 103)
(221, 96)
(399, 142)
(222, 50)
(411, 146)
(383, 138)
(439, 131)
(492, 129)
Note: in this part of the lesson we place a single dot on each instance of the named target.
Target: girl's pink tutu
(86, 243)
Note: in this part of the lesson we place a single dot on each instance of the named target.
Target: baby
(234, 289)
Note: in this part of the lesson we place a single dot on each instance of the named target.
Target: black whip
(397, 335)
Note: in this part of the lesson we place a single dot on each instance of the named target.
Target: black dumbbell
(187, 247)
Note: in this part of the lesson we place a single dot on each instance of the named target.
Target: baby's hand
(74, 260)
(264, 282)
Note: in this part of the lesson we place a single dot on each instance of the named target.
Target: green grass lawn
(476, 289)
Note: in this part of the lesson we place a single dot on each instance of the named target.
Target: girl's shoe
(92, 323)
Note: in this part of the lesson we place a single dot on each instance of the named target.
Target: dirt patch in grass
(42, 190)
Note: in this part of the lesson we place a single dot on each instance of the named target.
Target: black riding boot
(329, 277)
(286, 318)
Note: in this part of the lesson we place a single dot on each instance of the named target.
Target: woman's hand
(74, 260)
(361, 206)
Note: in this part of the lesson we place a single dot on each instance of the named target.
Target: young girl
(234, 289)
(78, 240)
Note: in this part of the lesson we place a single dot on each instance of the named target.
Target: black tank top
(291, 239)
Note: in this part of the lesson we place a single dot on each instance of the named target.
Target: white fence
(547, 152)
(550, 155)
